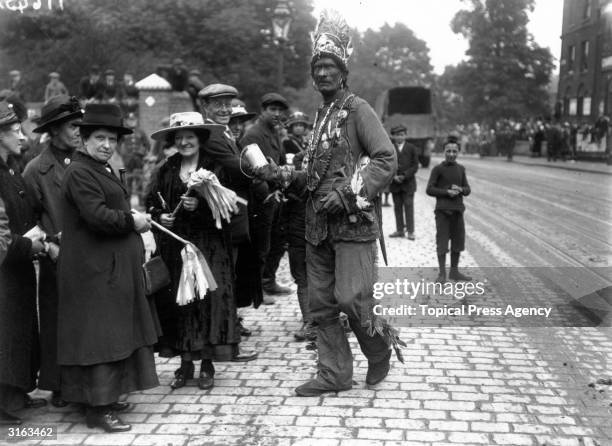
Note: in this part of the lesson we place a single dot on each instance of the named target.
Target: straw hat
(186, 121)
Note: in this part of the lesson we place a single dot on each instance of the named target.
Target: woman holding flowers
(206, 328)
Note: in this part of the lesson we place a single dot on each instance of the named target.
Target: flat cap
(398, 128)
(216, 90)
(273, 98)
(109, 72)
(14, 73)
(54, 74)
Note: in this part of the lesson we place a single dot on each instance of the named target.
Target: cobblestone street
(459, 385)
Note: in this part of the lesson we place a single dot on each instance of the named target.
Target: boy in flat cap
(403, 186)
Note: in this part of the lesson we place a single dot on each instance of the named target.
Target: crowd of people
(88, 329)
(561, 138)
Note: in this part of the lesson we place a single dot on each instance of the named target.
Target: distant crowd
(561, 137)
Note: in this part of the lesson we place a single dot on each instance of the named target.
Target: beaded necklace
(315, 139)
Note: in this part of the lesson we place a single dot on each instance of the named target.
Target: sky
(430, 21)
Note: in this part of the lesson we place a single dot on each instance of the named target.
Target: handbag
(156, 275)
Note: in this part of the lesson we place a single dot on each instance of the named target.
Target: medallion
(67, 161)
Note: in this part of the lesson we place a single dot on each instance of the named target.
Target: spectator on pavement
(60, 118)
(403, 185)
(55, 87)
(106, 325)
(178, 75)
(112, 91)
(91, 87)
(268, 226)
(129, 102)
(448, 183)
(206, 329)
(217, 100)
(17, 86)
(193, 87)
(19, 341)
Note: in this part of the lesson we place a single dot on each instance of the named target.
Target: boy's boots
(454, 273)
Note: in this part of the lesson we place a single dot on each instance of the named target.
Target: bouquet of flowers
(223, 202)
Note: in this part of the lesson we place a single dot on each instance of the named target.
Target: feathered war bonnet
(331, 38)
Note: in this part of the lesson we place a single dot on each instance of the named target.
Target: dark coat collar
(98, 166)
(47, 159)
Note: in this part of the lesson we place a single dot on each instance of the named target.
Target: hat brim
(285, 105)
(244, 116)
(297, 121)
(162, 134)
(44, 127)
(120, 130)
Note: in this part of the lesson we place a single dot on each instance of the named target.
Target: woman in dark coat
(106, 330)
(206, 329)
(19, 346)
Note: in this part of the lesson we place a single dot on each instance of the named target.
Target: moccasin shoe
(378, 371)
(316, 387)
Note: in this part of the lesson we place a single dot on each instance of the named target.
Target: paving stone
(513, 439)
(469, 437)
(160, 440)
(325, 421)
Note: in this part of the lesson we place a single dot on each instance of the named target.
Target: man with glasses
(216, 106)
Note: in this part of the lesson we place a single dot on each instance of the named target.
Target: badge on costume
(67, 161)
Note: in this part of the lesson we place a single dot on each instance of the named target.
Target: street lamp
(281, 20)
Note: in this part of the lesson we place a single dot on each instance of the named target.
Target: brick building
(585, 74)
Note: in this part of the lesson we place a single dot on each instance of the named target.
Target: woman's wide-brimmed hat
(58, 109)
(186, 121)
(104, 116)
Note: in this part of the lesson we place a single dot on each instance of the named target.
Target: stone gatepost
(154, 102)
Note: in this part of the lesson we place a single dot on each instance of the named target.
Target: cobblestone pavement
(459, 385)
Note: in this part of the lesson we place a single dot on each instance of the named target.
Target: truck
(412, 107)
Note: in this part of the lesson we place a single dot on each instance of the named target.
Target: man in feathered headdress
(349, 161)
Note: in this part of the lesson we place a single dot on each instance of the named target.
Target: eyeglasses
(221, 103)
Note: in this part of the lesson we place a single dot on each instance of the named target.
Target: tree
(228, 40)
(507, 72)
(390, 57)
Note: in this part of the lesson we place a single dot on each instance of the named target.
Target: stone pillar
(154, 102)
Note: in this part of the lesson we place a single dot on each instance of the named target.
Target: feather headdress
(332, 38)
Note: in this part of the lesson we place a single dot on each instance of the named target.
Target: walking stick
(170, 233)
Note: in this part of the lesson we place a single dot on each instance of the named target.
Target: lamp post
(281, 20)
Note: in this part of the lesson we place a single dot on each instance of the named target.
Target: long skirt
(102, 384)
(207, 328)
(12, 398)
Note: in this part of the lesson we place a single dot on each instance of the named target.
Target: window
(586, 9)
(584, 57)
(580, 101)
(586, 106)
(571, 57)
